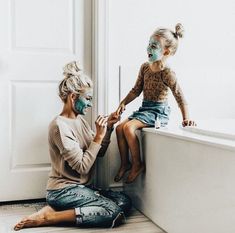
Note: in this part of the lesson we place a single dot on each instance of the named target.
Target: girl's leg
(133, 143)
(45, 217)
(124, 151)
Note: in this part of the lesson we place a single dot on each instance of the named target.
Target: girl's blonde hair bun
(179, 30)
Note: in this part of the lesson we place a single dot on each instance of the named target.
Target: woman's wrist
(98, 139)
(110, 127)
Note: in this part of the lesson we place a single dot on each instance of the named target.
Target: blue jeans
(150, 110)
(93, 207)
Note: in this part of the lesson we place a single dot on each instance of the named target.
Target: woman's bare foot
(41, 218)
(121, 172)
(135, 171)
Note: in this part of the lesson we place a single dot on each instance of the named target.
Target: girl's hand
(121, 109)
(101, 128)
(188, 122)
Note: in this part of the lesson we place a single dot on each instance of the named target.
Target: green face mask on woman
(82, 103)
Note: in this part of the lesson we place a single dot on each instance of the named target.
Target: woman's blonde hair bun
(72, 69)
(74, 81)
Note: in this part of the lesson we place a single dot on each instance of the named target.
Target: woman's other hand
(101, 128)
(188, 122)
(112, 119)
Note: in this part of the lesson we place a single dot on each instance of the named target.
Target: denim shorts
(150, 110)
(93, 207)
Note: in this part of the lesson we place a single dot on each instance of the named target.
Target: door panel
(37, 38)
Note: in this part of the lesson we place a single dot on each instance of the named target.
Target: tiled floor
(10, 214)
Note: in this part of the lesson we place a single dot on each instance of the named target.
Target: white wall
(203, 62)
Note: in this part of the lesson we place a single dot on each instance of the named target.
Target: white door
(37, 37)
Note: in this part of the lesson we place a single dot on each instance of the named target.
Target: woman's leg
(100, 213)
(120, 198)
(134, 145)
(124, 151)
(76, 205)
(91, 208)
(45, 217)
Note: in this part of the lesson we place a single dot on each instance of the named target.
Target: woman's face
(154, 49)
(83, 102)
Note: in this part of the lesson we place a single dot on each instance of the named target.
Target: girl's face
(154, 50)
(83, 102)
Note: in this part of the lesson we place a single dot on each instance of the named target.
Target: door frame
(100, 70)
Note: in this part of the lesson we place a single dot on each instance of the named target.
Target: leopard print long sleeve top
(156, 85)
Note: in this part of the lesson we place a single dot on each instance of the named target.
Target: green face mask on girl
(82, 103)
(154, 50)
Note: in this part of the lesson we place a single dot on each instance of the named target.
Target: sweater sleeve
(79, 160)
(169, 78)
(105, 142)
(138, 87)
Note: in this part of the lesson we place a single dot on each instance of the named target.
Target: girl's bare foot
(135, 171)
(121, 172)
(41, 218)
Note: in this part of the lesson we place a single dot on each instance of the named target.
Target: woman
(74, 148)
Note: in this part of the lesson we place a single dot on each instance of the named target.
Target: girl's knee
(119, 129)
(129, 129)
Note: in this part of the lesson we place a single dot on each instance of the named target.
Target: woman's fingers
(98, 118)
(101, 120)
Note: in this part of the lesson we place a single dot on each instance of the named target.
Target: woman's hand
(101, 128)
(112, 119)
(121, 109)
(188, 122)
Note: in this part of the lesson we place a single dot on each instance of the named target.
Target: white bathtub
(189, 184)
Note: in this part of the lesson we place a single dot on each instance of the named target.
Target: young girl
(154, 79)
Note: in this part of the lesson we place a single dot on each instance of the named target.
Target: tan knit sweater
(156, 85)
(72, 151)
